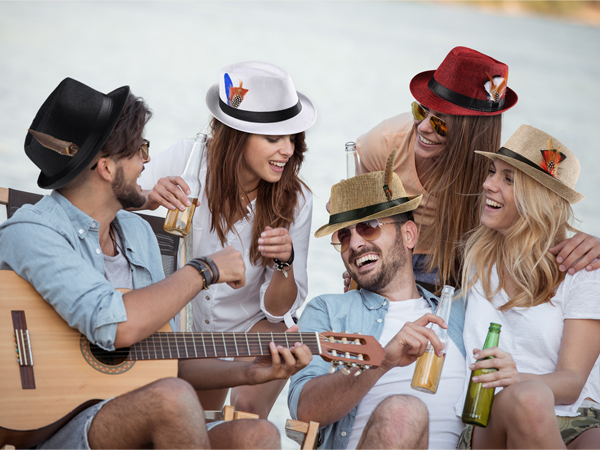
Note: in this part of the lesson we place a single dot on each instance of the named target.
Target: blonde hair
(521, 254)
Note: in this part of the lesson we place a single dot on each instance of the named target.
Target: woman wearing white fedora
(252, 199)
(547, 357)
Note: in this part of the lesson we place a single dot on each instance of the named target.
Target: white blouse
(222, 308)
(533, 335)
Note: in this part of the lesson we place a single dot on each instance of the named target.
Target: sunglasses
(369, 231)
(420, 114)
(144, 150)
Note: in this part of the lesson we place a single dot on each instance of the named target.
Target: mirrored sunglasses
(369, 231)
(145, 150)
(420, 114)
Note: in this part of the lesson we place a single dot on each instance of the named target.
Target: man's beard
(127, 195)
(390, 267)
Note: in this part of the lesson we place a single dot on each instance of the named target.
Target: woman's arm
(579, 351)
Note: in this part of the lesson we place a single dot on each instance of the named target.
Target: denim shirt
(362, 312)
(55, 247)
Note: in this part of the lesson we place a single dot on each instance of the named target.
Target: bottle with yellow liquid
(478, 402)
(179, 222)
(428, 368)
(352, 169)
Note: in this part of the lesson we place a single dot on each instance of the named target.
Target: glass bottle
(428, 368)
(352, 169)
(478, 402)
(179, 222)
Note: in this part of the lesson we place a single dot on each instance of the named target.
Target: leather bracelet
(284, 267)
(213, 267)
(203, 270)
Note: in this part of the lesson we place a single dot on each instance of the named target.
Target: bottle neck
(491, 339)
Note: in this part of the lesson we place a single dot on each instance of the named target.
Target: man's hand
(411, 342)
(282, 364)
(582, 250)
(170, 192)
(232, 269)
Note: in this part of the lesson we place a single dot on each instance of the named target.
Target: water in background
(353, 59)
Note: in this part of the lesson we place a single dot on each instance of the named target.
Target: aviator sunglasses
(144, 151)
(369, 231)
(420, 114)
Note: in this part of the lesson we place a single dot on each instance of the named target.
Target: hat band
(354, 214)
(506, 152)
(261, 117)
(462, 100)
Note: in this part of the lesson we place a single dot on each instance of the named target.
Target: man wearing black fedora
(77, 244)
(372, 224)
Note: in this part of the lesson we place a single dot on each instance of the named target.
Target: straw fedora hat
(69, 130)
(365, 197)
(258, 97)
(544, 159)
(467, 83)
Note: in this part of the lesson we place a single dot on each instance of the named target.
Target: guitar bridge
(24, 353)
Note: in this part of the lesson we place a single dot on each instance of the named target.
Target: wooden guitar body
(64, 380)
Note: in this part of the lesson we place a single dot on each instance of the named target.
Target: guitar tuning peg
(332, 368)
(358, 372)
(345, 370)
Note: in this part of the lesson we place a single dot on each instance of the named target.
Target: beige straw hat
(544, 159)
(366, 197)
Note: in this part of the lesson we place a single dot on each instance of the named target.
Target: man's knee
(403, 409)
(245, 433)
(174, 396)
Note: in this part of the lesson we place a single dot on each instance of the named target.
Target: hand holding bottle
(411, 342)
(170, 192)
(506, 374)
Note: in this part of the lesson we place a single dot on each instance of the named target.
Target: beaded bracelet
(203, 270)
(213, 267)
(284, 267)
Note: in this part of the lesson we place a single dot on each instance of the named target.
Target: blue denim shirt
(55, 247)
(361, 312)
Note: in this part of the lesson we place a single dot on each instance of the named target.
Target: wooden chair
(168, 244)
(304, 434)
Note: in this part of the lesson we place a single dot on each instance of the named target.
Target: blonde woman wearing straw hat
(457, 109)
(371, 224)
(252, 199)
(547, 358)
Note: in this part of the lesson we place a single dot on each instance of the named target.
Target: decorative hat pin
(388, 175)
(52, 143)
(495, 87)
(552, 158)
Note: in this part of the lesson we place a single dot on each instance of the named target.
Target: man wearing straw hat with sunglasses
(373, 228)
(77, 244)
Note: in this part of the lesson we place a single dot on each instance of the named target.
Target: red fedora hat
(467, 83)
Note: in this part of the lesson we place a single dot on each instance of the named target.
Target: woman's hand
(275, 243)
(506, 374)
(170, 192)
(578, 252)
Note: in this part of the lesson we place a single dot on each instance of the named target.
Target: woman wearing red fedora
(457, 110)
(547, 357)
(251, 198)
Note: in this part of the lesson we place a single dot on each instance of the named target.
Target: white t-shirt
(444, 426)
(222, 308)
(533, 335)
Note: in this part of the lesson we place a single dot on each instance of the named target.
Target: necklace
(252, 190)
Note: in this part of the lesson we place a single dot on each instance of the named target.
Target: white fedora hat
(258, 97)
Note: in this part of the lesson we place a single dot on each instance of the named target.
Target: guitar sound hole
(109, 358)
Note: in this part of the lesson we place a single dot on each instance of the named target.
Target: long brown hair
(522, 253)
(455, 182)
(275, 202)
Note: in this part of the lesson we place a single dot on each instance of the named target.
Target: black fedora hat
(81, 119)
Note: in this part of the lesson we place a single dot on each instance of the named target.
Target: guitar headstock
(351, 350)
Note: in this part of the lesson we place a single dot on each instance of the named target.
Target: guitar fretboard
(216, 345)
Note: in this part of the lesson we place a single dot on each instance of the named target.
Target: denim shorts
(570, 427)
(74, 435)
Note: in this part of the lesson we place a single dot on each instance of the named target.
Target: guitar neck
(181, 345)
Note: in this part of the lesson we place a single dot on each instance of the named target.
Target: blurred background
(353, 59)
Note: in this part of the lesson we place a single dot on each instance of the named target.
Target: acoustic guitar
(50, 372)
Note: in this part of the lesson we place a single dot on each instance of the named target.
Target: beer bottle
(352, 169)
(179, 222)
(478, 402)
(428, 368)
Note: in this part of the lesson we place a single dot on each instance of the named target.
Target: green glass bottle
(478, 403)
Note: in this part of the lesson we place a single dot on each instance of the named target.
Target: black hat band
(462, 100)
(261, 117)
(354, 214)
(506, 152)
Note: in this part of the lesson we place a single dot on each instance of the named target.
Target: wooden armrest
(244, 415)
(304, 434)
(227, 414)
